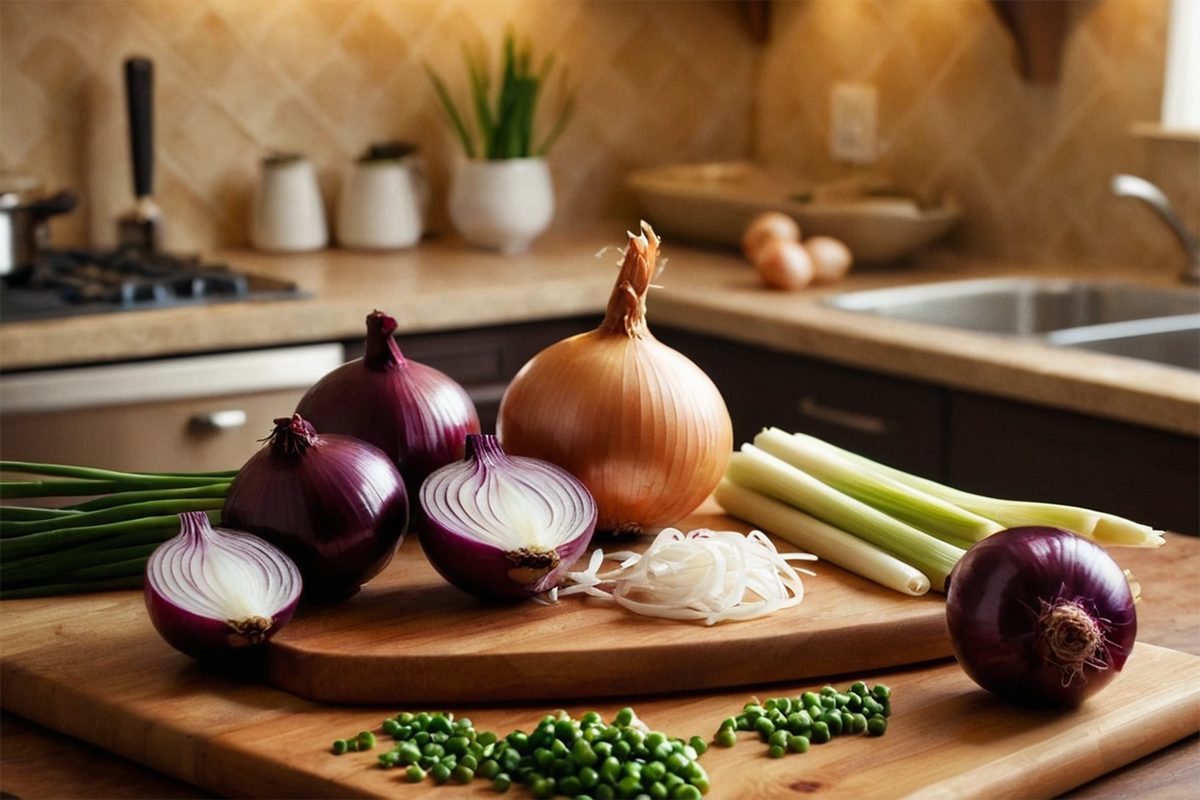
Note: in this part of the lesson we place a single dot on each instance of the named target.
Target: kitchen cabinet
(1021, 450)
(896, 421)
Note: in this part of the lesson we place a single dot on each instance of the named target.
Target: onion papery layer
(211, 591)
(503, 527)
(1040, 616)
(416, 414)
(335, 504)
(643, 427)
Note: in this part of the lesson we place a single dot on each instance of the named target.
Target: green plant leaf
(451, 110)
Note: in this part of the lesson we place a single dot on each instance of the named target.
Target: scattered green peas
(340, 746)
(877, 725)
(414, 774)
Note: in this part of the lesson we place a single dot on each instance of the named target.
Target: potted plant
(501, 195)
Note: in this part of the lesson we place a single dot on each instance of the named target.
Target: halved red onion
(212, 591)
(415, 413)
(335, 504)
(504, 527)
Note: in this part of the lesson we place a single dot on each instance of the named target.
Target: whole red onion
(1040, 616)
(336, 505)
(211, 592)
(416, 414)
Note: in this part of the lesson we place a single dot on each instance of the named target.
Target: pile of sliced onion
(504, 527)
(705, 575)
(211, 591)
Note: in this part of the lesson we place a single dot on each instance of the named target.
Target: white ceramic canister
(288, 212)
(384, 203)
(502, 204)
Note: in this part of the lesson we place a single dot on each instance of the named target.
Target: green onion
(763, 472)
(1097, 525)
(821, 539)
(102, 542)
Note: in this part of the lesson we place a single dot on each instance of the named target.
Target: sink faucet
(1133, 186)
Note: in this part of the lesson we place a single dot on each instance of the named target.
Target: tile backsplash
(657, 81)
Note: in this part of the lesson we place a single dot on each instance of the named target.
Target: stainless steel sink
(1174, 341)
(1021, 306)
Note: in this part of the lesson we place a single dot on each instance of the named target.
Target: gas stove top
(71, 282)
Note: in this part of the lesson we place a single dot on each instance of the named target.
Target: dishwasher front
(186, 414)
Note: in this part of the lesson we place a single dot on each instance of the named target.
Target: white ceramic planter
(502, 204)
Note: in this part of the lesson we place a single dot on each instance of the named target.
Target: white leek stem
(924, 511)
(763, 472)
(1099, 526)
(822, 540)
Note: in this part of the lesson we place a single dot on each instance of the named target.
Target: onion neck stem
(626, 313)
(381, 350)
(292, 436)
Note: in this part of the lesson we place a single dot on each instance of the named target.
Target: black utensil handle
(139, 88)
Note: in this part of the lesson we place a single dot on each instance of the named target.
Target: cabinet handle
(843, 418)
(218, 420)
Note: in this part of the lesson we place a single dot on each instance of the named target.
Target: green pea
(698, 744)
(798, 744)
(340, 746)
(391, 728)
(880, 692)
(570, 786)
(808, 699)
(463, 774)
(420, 738)
(764, 727)
(622, 749)
(727, 737)
(686, 792)
(799, 721)
(603, 749)
(833, 719)
(877, 725)
(654, 771)
(469, 761)
(488, 769)
(591, 718)
(624, 717)
(588, 778)
(440, 723)
(658, 791)
(820, 733)
(440, 773)
(853, 702)
(605, 792)
(629, 786)
(859, 688)
(776, 751)
(543, 759)
(677, 763)
(610, 769)
(543, 788)
(405, 717)
(858, 723)
(519, 740)
(414, 774)
(779, 738)
(502, 782)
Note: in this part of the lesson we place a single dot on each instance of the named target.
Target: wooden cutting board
(409, 636)
(93, 668)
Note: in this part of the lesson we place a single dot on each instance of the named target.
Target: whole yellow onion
(640, 425)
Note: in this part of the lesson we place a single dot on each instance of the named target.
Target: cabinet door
(894, 421)
(1008, 449)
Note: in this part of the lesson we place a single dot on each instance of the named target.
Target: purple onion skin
(416, 414)
(481, 570)
(202, 638)
(338, 508)
(995, 594)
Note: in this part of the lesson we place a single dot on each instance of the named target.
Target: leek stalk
(756, 469)
(926, 512)
(822, 540)
(1101, 527)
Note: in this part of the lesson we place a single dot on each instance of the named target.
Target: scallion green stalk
(819, 538)
(924, 511)
(1099, 526)
(763, 472)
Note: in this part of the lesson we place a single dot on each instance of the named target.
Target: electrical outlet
(854, 111)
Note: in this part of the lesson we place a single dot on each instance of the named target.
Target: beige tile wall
(658, 82)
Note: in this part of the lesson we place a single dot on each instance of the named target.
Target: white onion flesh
(707, 575)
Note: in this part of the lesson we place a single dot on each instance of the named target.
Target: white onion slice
(705, 575)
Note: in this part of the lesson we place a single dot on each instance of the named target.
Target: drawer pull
(843, 418)
(218, 420)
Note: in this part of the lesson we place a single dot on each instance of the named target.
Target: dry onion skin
(785, 264)
(638, 423)
(831, 258)
(705, 575)
(766, 227)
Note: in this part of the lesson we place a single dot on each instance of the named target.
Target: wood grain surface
(93, 668)
(409, 636)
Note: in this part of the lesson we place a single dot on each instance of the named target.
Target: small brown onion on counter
(831, 258)
(335, 504)
(211, 592)
(643, 427)
(504, 527)
(785, 264)
(415, 413)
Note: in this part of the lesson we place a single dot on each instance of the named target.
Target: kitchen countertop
(443, 285)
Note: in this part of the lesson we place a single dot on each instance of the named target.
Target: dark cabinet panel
(1008, 449)
(895, 421)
